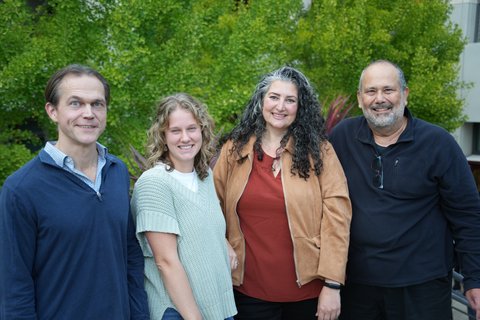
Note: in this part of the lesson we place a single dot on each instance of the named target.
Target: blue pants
(172, 314)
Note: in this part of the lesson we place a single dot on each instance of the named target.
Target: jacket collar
(248, 148)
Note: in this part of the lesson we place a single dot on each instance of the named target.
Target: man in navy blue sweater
(414, 201)
(67, 243)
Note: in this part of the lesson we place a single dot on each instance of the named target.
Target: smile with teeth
(87, 127)
(279, 116)
(190, 146)
(382, 108)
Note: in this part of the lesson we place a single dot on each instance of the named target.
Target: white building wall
(466, 14)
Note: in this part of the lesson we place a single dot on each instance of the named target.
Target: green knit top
(161, 203)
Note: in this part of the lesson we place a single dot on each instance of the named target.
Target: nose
(281, 104)
(185, 137)
(379, 97)
(88, 111)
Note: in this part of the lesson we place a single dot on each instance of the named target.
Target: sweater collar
(45, 157)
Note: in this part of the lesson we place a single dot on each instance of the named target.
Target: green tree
(215, 50)
(338, 38)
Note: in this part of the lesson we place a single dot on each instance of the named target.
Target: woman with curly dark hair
(285, 198)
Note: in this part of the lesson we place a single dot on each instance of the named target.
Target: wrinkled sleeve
(220, 176)
(336, 218)
(18, 235)
(153, 208)
(138, 296)
(461, 205)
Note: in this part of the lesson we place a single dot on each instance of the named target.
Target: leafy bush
(12, 157)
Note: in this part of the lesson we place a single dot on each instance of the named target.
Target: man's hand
(473, 297)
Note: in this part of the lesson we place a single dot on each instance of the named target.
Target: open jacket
(318, 211)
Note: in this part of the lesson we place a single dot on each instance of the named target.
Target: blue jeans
(172, 314)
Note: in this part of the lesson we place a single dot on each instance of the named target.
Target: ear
(51, 111)
(359, 99)
(405, 95)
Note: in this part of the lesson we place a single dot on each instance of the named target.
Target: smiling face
(81, 112)
(381, 97)
(184, 139)
(280, 105)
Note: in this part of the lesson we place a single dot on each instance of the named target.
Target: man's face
(381, 97)
(81, 112)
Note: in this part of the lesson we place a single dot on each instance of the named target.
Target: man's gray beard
(384, 120)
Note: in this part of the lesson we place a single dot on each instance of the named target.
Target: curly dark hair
(307, 130)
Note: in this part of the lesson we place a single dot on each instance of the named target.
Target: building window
(477, 24)
(476, 139)
(475, 166)
(474, 160)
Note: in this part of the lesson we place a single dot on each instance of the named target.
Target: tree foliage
(338, 38)
(215, 50)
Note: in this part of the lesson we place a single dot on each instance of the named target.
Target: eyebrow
(278, 94)
(375, 87)
(82, 99)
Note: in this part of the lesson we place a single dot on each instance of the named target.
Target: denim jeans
(172, 314)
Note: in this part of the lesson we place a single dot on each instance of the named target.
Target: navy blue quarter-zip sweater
(405, 233)
(67, 252)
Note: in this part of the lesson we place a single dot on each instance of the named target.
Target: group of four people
(267, 234)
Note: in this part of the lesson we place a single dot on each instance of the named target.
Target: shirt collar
(61, 159)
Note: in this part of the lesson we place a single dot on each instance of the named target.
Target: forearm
(178, 287)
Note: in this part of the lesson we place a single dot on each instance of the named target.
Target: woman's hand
(232, 256)
(328, 307)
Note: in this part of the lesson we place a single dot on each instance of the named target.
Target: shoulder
(116, 161)
(153, 176)
(25, 175)
(345, 130)
(153, 172)
(209, 178)
(429, 128)
(152, 187)
(348, 124)
(226, 148)
(327, 148)
(432, 133)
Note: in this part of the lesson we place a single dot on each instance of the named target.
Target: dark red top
(269, 263)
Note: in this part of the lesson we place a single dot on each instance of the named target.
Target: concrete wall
(466, 14)
(470, 72)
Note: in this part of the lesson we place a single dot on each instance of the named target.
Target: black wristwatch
(330, 285)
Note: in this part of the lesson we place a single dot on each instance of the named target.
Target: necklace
(276, 163)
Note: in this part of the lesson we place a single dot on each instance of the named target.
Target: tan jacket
(318, 211)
